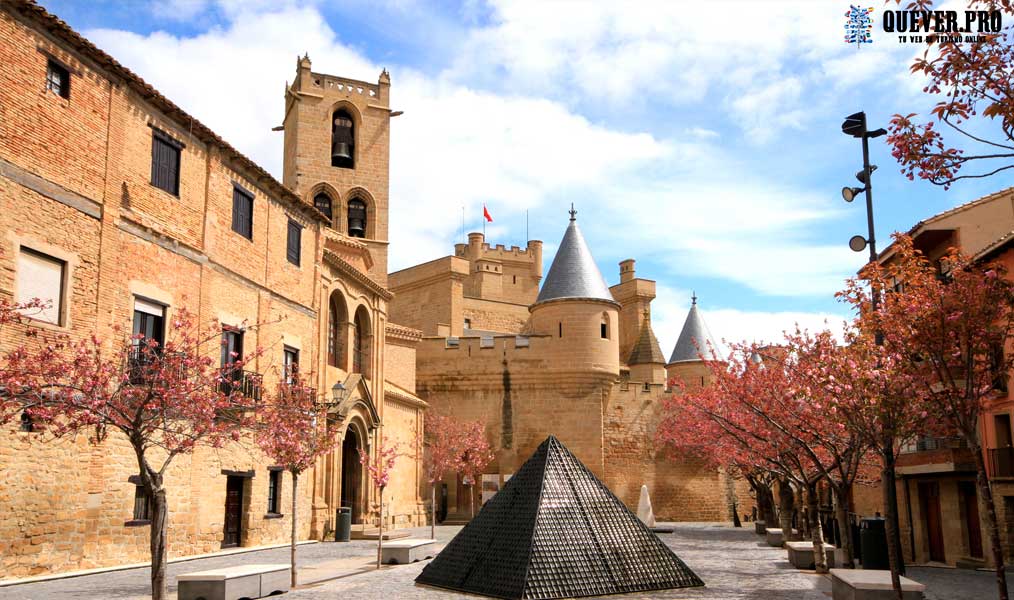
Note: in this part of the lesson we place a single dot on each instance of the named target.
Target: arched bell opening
(343, 140)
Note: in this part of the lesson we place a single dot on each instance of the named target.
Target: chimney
(626, 270)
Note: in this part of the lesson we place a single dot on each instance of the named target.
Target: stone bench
(758, 527)
(233, 583)
(774, 536)
(862, 584)
(801, 555)
(403, 552)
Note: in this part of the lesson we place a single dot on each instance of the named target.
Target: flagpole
(463, 240)
(484, 221)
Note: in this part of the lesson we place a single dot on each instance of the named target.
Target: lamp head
(850, 193)
(857, 243)
(338, 391)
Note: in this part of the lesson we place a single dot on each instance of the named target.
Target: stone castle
(120, 208)
(576, 359)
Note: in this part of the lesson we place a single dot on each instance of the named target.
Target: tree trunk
(786, 502)
(986, 500)
(894, 556)
(816, 532)
(433, 510)
(765, 503)
(292, 540)
(802, 518)
(841, 498)
(380, 527)
(152, 482)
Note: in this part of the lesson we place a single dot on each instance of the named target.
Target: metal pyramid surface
(556, 531)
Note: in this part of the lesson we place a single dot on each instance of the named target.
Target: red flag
(485, 213)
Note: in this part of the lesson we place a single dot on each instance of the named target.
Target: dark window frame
(289, 372)
(274, 492)
(294, 242)
(242, 211)
(604, 331)
(57, 78)
(326, 209)
(143, 506)
(166, 158)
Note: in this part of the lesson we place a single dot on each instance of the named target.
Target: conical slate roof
(556, 531)
(695, 339)
(573, 273)
(646, 349)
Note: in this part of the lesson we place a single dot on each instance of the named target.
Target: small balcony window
(57, 79)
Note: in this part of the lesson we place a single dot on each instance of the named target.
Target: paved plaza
(735, 564)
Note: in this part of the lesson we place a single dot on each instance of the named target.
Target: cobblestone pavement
(134, 584)
(735, 564)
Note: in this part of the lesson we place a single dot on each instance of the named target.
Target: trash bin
(873, 541)
(343, 524)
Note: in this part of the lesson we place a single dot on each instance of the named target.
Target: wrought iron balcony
(1001, 462)
(246, 383)
(142, 364)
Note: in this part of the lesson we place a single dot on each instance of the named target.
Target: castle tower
(499, 273)
(576, 309)
(634, 295)
(695, 340)
(337, 155)
(646, 361)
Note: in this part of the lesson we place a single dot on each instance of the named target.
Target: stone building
(576, 359)
(939, 504)
(120, 208)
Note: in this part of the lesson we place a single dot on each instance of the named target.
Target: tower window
(604, 331)
(57, 79)
(561, 329)
(322, 202)
(357, 218)
(343, 141)
(27, 423)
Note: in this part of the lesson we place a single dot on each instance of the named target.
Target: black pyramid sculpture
(556, 531)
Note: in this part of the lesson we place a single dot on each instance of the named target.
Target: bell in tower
(357, 218)
(342, 140)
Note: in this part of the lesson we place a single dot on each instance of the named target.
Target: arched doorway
(352, 475)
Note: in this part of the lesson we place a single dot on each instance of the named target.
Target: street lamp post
(855, 125)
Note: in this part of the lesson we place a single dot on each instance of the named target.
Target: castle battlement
(529, 254)
(343, 84)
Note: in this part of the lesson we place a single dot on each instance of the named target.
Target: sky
(700, 138)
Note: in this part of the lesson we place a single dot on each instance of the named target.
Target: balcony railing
(143, 364)
(1001, 462)
(928, 444)
(307, 395)
(247, 383)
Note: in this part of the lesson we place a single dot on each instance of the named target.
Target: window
(142, 504)
(242, 213)
(41, 277)
(561, 330)
(357, 218)
(322, 202)
(232, 345)
(57, 79)
(292, 248)
(27, 422)
(343, 140)
(361, 343)
(274, 490)
(1000, 374)
(149, 322)
(604, 331)
(165, 162)
(515, 279)
(290, 363)
(468, 323)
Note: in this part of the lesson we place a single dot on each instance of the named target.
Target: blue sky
(700, 138)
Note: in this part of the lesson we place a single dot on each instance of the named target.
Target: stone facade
(527, 368)
(76, 185)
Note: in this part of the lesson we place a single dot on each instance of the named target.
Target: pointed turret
(646, 361)
(695, 340)
(573, 273)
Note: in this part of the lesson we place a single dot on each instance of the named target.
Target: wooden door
(233, 528)
(929, 500)
(966, 489)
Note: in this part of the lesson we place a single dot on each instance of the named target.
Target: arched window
(322, 202)
(357, 218)
(343, 140)
(337, 324)
(361, 343)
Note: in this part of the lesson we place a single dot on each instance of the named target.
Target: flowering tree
(294, 430)
(953, 322)
(380, 474)
(476, 454)
(165, 400)
(971, 79)
(444, 435)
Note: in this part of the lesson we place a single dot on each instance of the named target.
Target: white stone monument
(644, 511)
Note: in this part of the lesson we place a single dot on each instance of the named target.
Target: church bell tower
(337, 155)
